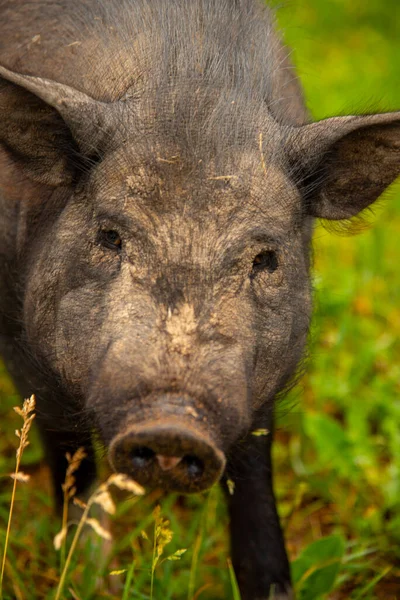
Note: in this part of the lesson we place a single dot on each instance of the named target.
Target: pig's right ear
(46, 128)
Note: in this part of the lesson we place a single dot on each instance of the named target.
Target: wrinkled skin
(155, 240)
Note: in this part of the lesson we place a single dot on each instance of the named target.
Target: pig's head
(168, 274)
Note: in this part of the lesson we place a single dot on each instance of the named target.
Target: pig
(159, 181)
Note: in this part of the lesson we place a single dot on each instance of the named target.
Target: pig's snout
(169, 455)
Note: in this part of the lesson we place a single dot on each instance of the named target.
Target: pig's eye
(111, 239)
(265, 261)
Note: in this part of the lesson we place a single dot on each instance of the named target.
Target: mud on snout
(170, 453)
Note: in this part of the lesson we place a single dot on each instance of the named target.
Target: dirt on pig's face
(164, 291)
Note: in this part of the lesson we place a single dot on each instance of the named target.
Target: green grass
(337, 455)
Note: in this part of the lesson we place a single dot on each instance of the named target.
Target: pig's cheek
(77, 334)
(274, 340)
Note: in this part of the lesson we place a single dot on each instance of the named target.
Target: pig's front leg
(257, 545)
(60, 434)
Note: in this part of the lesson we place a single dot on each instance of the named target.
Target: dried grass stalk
(27, 413)
(100, 496)
(69, 491)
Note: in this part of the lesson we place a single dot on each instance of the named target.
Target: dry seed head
(118, 572)
(103, 498)
(74, 462)
(26, 412)
(60, 537)
(27, 407)
(177, 555)
(163, 533)
(123, 482)
(95, 525)
(79, 503)
(20, 476)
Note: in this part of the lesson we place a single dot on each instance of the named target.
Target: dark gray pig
(158, 183)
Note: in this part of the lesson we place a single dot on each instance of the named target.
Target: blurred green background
(337, 456)
(342, 437)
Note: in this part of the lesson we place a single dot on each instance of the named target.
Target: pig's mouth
(173, 455)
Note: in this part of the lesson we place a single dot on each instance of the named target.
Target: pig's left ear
(345, 163)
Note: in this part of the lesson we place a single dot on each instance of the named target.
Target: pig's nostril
(168, 454)
(142, 456)
(194, 466)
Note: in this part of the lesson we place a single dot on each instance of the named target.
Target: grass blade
(371, 584)
(233, 580)
(128, 581)
(196, 550)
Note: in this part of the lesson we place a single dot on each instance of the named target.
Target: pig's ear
(45, 127)
(345, 163)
